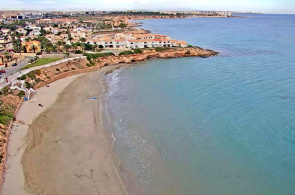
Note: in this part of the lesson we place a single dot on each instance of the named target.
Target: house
(100, 44)
(32, 46)
(60, 21)
(5, 56)
(5, 31)
(34, 30)
(148, 43)
(176, 43)
(81, 33)
(119, 43)
(5, 44)
(52, 30)
(50, 38)
(21, 31)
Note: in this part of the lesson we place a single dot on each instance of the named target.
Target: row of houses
(122, 40)
(128, 40)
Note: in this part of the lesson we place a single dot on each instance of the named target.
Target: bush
(5, 117)
(38, 72)
(67, 54)
(125, 53)
(31, 75)
(5, 91)
(97, 55)
(78, 52)
(21, 94)
(4, 120)
(137, 51)
(37, 80)
(189, 45)
(7, 113)
(28, 85)
(87, 46)
(39, 53)
(160, 49)
(23, 77)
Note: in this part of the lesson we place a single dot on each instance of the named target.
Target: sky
(265, 6)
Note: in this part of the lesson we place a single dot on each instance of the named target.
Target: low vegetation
(161, 49)
(40, 62)
(93, 56)
(5, 116)
(134, 51)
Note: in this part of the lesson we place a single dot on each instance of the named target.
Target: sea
(222, 125)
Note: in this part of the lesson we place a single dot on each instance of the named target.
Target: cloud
(46, 2)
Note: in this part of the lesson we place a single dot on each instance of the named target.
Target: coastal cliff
(10, 100)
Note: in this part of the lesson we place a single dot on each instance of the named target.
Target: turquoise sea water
(222, 125)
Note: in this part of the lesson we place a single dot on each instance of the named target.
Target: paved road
(13, 69)
(14, 73)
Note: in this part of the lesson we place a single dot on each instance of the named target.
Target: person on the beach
(40, 105)
(6, 79)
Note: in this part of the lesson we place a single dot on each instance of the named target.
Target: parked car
(2, 71)
(14, 64)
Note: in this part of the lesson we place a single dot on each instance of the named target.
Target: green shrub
(39, 53)
(21, 94)
(5, 91)
(5, 119)
(97, 55)
(37, 80)
(7, 113)
(23, 77)
(78, 52)
(137, 51)
(31, 75)
(1, 156)
(160, 49)
(28, 85)
(125, 53)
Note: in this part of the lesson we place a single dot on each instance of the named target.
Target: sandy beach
(62, 147)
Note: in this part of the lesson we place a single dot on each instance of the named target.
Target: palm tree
(54, 48)
(66, 47)
(48, 49)
(33, 47)
(59, 43)
(74, 46)
(94, 47)
(24, 49)
(70, 39)
(82, 46)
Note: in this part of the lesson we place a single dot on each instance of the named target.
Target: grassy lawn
(41, 62)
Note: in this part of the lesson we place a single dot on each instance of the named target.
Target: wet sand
(66, 149)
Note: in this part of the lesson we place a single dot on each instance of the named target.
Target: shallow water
(221, 125)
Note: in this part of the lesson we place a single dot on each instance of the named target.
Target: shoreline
(10, 176)
(49, 75)
(14, 179)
